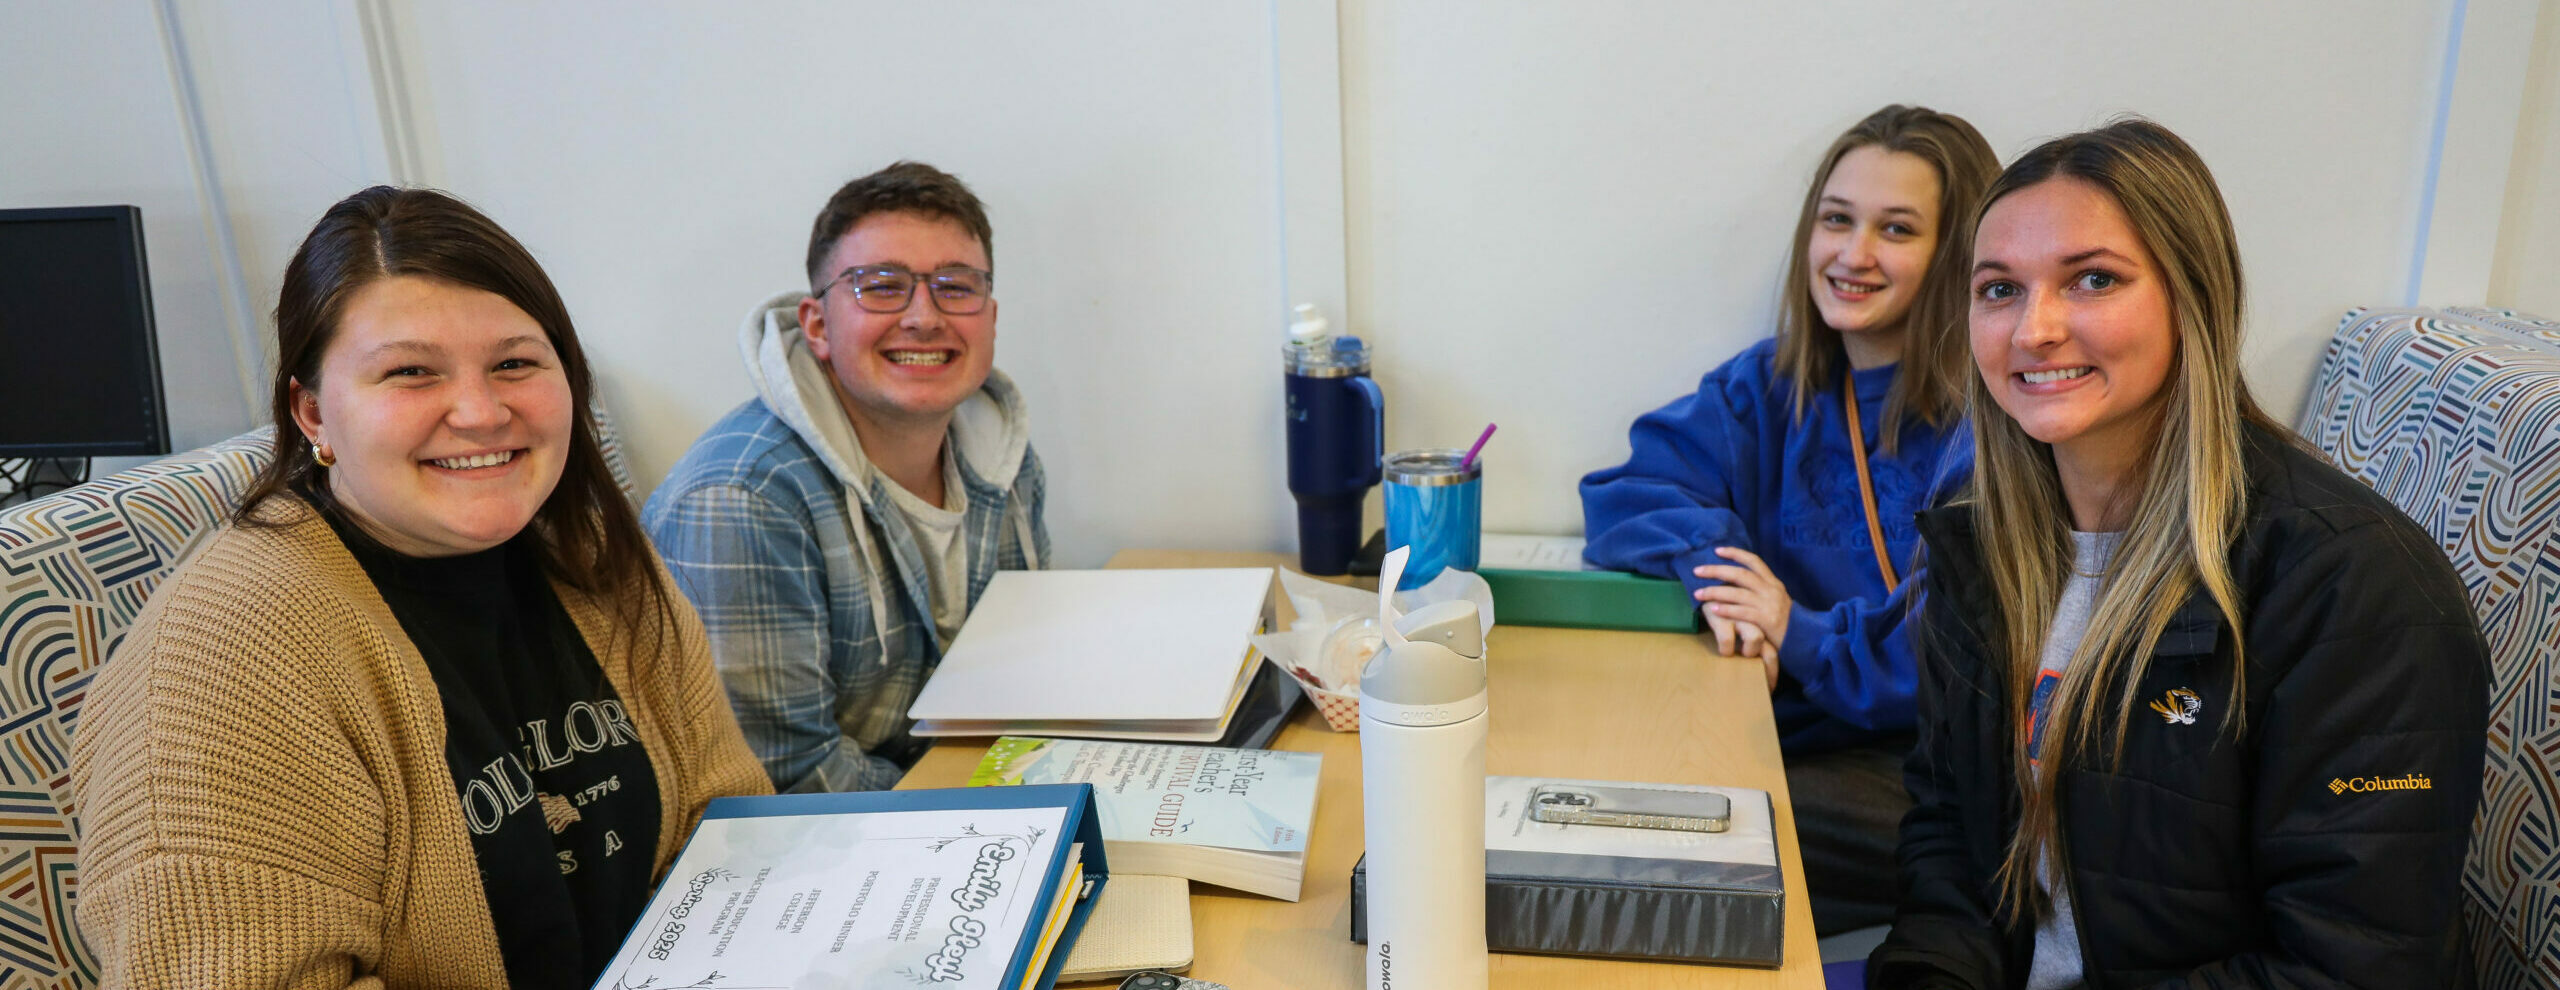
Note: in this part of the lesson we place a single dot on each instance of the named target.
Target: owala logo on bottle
(1386, 966)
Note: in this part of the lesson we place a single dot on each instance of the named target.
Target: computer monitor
(79, 360)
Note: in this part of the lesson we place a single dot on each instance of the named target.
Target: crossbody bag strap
(1866, 484)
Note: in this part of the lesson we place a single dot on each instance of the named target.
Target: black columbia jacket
(2321, 848)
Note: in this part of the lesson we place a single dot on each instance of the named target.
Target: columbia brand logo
(2367, 785)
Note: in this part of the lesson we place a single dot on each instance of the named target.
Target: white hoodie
(824, 602)
(990, 432)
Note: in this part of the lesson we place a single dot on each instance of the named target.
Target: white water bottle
(1422, 736)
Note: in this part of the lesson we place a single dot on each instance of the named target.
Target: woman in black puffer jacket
(2196, 709)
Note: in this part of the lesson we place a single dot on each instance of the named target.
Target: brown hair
(2188, 505)
(1931, 382)
(590, 537)
(905, 187)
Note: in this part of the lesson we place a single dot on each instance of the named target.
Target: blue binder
(1080, 824)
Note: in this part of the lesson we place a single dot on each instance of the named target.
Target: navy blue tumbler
(1337, 435)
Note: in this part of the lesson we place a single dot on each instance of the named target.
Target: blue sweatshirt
(1733, 466)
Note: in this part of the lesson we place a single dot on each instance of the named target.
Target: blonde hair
(2190, 500)
(1933, 351)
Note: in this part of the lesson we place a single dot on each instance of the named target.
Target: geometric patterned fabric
(75, 568)
(2454, 415)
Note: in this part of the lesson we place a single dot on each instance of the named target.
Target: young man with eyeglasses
(834, 531)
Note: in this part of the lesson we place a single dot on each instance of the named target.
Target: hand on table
(1730, 638)
(1748, 612)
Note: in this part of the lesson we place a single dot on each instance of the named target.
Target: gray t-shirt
(2056, 964)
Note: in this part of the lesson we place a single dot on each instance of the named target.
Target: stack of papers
(1127, 654)
(1522, 552)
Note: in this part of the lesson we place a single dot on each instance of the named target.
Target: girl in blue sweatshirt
(1751, 491)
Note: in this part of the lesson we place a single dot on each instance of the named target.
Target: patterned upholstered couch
(2455, 416)
(75, 568)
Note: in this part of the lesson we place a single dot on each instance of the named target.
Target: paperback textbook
(1232, 817)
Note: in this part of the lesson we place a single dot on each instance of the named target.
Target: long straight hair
(590, 537)
(2187, 506)
(1933, 350)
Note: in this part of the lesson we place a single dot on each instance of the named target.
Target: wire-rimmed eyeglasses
(956, 291)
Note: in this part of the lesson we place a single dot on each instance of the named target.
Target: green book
(1541, 581)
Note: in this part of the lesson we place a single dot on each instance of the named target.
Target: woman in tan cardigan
(428, 715)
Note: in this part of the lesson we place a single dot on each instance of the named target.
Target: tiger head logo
(2179, 706)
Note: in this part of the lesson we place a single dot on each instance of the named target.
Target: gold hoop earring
(320, 456)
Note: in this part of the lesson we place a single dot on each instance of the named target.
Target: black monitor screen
(79, 365)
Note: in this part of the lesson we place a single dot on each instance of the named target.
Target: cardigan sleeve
(171, 919)
(231, 835)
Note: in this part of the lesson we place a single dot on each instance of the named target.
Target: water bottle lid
(1310, 327)
(1323, 357)
(1433, 658)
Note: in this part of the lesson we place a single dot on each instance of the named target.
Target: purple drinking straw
(1472, 451)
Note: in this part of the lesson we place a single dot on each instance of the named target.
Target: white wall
(2528, 276)
(90, 115)
(290, 125)
(1563, 215)
(1553, 216)
(666, 164)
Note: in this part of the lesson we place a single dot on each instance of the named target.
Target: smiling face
(447, 411)
(2071, 321)
(1875, 229)
(911, 368)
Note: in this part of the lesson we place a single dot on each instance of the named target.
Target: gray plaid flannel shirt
(759, 534)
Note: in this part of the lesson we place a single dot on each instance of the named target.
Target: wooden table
(1657, 707)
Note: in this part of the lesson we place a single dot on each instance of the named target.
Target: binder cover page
(936, 898)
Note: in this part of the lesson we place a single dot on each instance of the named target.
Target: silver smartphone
(1631, 807)
(1166, 981)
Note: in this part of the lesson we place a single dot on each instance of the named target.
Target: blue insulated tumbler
(1337, 431)
(1435, 505)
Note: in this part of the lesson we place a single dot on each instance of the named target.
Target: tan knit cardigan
(261, 779)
